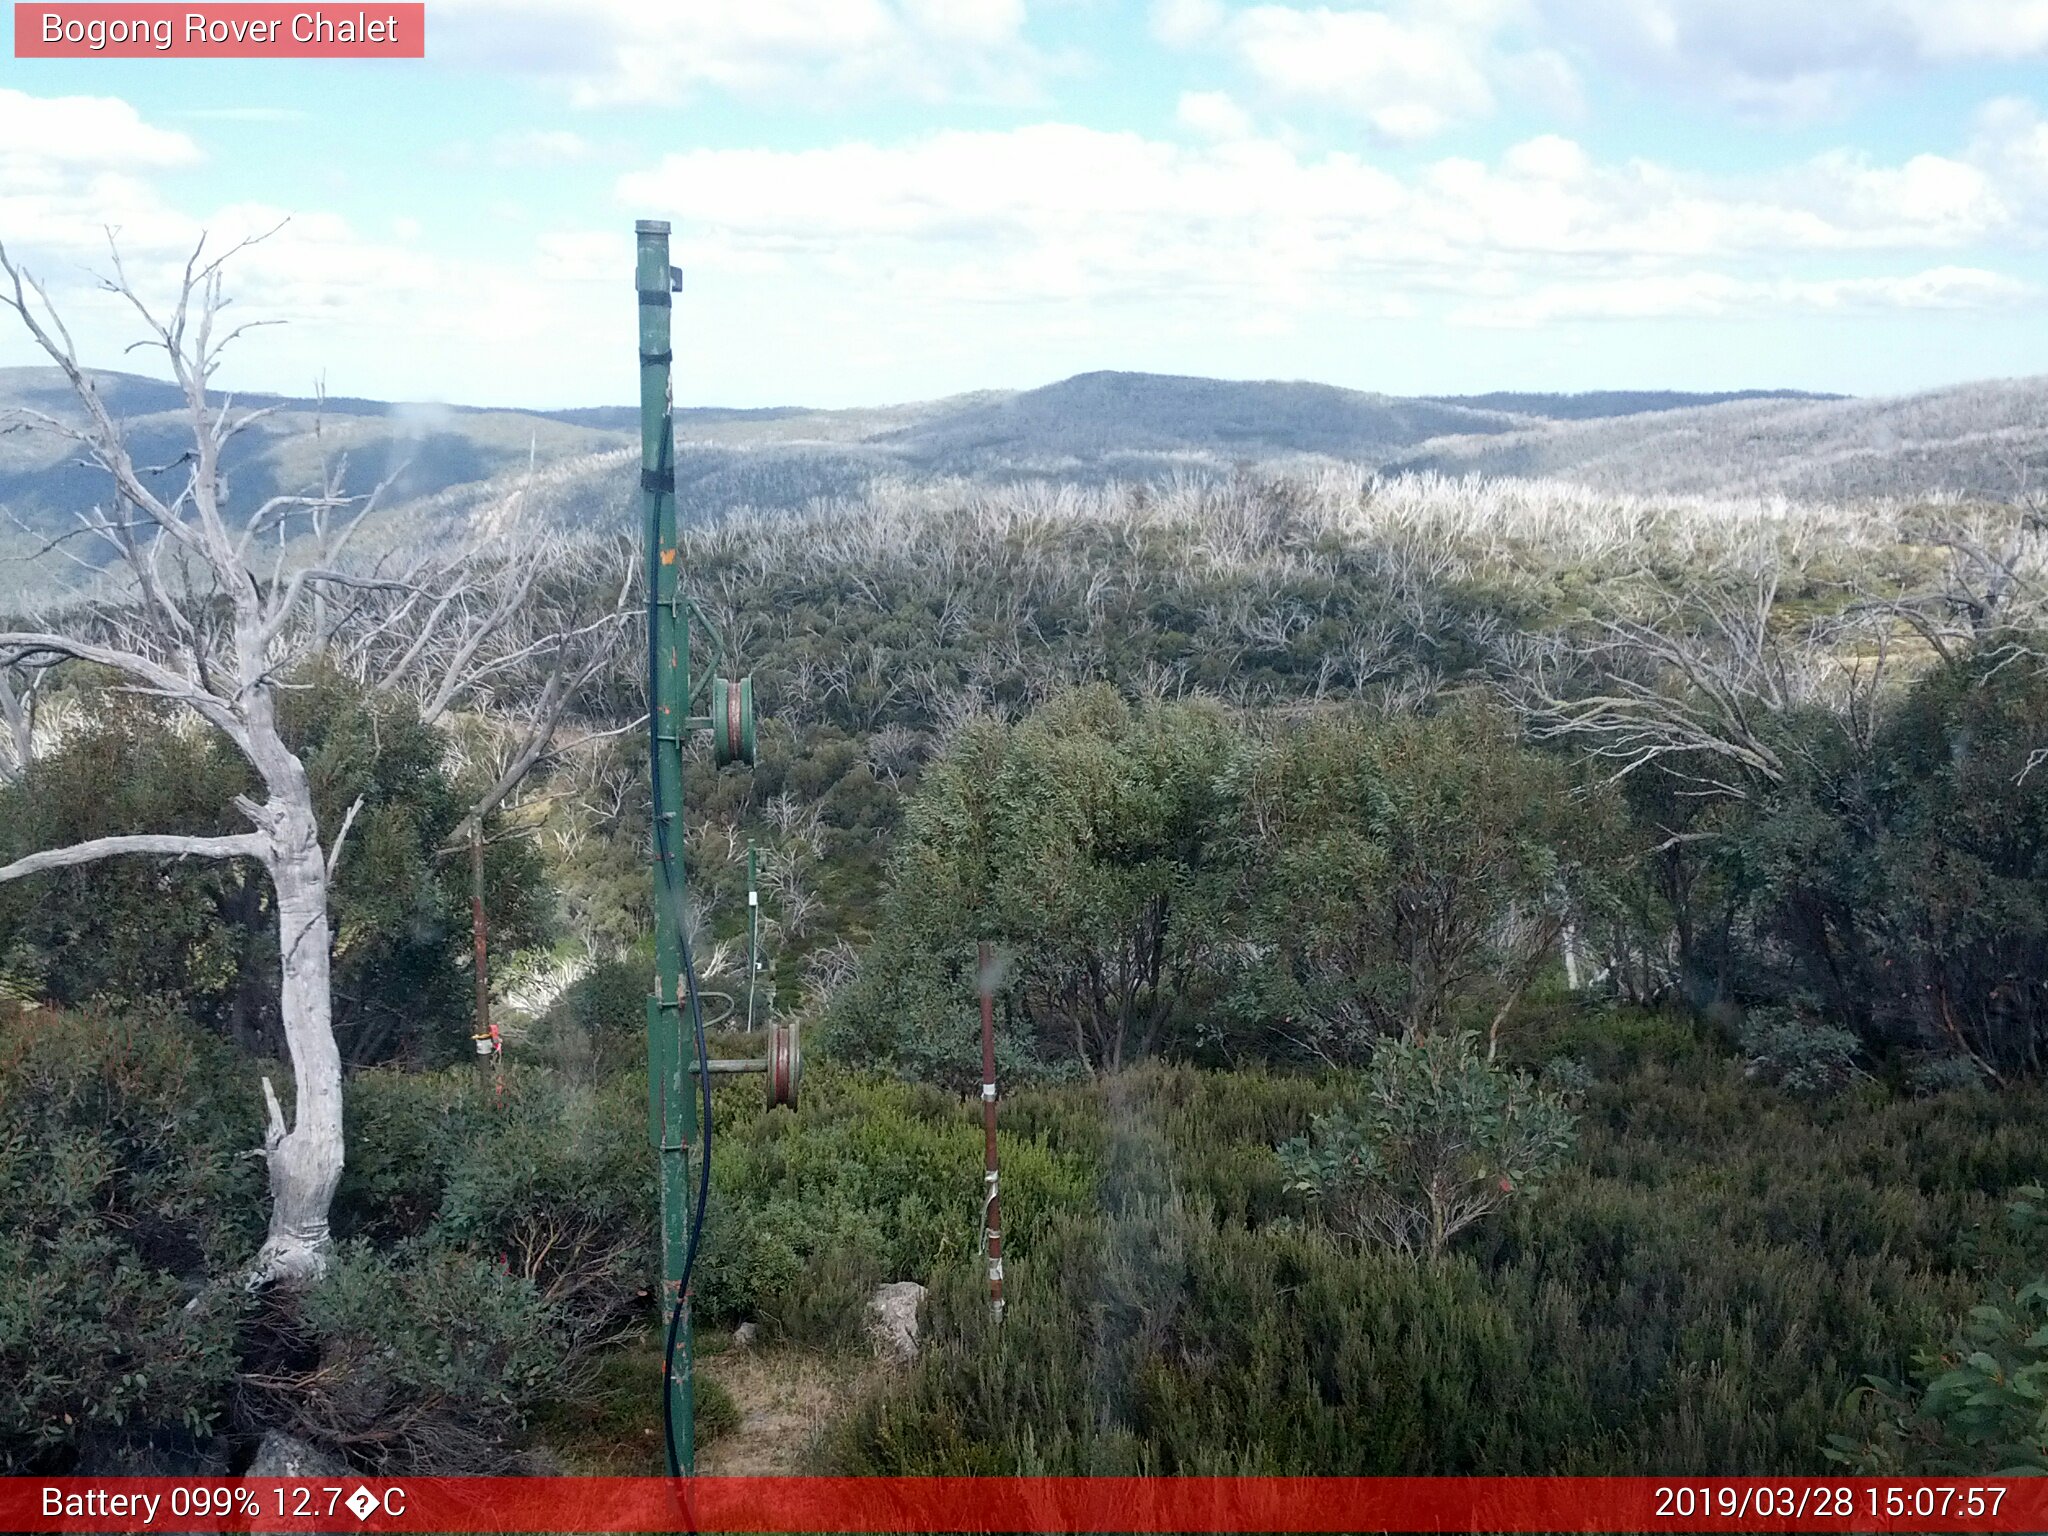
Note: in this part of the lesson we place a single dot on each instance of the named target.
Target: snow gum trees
(213, 608)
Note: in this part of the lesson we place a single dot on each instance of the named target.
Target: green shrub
(198, 937)
(826, 1305)
(554, 1179)
(421, 1359)
(1946, 1074)
(597, 1028)
(1806, 1060)
(1699, 1290)
(402, 1131)
(1438, 1138)
(559, 1184)
(1982, 1401)
(1078, 840)
(869, 1180)
(123, 1194)
(1401, 873)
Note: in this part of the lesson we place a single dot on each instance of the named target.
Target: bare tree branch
(247, 845)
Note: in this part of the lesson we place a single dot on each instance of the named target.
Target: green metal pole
(672, 1103)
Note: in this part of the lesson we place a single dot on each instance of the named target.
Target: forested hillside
(449, 464)
(1497, 978)
(1988, 439)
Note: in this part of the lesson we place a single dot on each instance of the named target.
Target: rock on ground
(283, 1455)
(892, 1319)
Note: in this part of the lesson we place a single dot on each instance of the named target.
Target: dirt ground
(785, 1398)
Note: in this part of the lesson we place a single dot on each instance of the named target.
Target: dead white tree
(1692, 695)
(205, 630)
(219, 609)
(20, 693)
(517, 627)
(1992, 589)
(1991, 596)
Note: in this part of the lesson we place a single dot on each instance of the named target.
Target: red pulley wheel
(785, 1065)
(732, 720)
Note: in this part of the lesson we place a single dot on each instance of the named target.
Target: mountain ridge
(451, 462)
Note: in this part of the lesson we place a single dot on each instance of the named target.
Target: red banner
(373, 30)
(1078, 1504)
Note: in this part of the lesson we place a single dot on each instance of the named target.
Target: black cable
(665, 858)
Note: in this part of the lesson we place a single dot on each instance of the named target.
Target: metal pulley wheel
(785, 1064)
(732, 721)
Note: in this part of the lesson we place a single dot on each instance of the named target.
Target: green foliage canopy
(1438, 1138)
(200, 936)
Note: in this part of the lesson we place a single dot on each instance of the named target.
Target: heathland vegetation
(1496, 977)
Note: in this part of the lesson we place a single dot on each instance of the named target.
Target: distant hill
(1987, 439)
(430, 447)
(1094, 421)
(1615, 402)
(1984, 438)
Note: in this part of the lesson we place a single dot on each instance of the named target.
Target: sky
(890, 200)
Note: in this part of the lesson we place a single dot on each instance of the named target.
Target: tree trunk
(250, 1022)
(306, 1158)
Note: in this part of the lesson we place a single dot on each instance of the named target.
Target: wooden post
(991, 1205)
(488, 1042)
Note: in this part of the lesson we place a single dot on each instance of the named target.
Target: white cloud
(1720, 295)
(1056, 211)
(1052, 238)
(2011, 145)
(1548, 158)
(1409, 80)
(84, 132)
(1931, 199)
(1798, 59)
(1182, 23)
(612, 52)
(1979, 29)
(1047, 210)
(987, 22)
(75, 170)
(1409, 69)
(73, 166)
(1212, 115)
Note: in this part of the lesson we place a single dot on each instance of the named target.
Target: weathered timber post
(488, 1041)
(991, 1204)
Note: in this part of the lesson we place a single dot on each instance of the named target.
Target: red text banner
(805, 1504)
(104, 30)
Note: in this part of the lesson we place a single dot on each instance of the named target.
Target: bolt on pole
(672, 1102)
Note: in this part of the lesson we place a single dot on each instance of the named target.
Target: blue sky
(881, 200)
